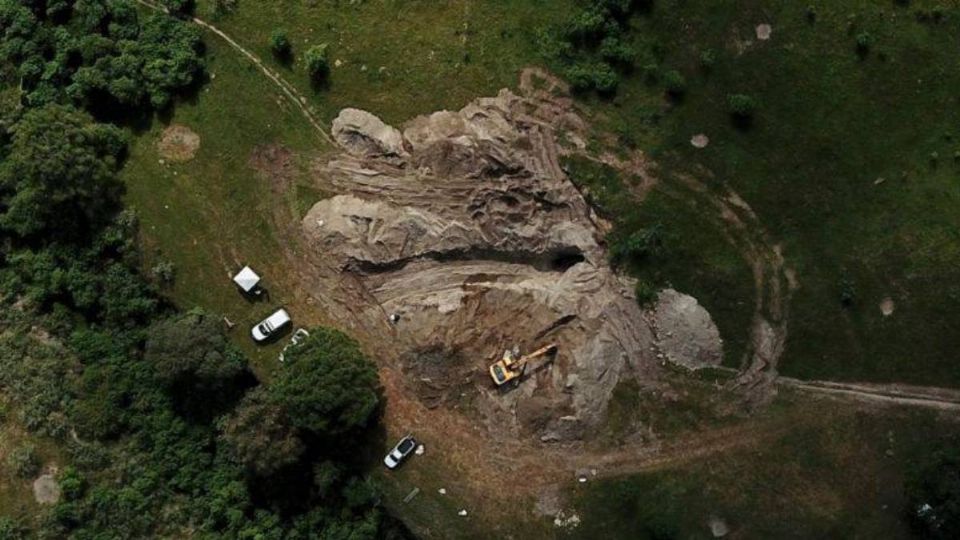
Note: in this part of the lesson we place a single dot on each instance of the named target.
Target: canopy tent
(247, 279)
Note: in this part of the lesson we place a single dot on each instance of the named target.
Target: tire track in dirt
(289, 90)
(945, 399)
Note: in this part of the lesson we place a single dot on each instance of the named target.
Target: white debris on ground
(462, 513)
(420, 450)
(718, 527)
(764, 31)
(887, 306)
(700, 140)
(567, 522)
(442, 491)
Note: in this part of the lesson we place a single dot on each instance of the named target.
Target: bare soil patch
(178, 143)
(46, 490)
(274, 163)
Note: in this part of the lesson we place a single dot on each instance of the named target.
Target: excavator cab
(508, 368)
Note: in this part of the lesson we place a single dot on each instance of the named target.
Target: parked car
(297, 338)
(270, 326)
(400, 452)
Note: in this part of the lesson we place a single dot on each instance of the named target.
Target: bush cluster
(593, 47)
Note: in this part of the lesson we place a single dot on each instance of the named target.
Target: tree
(318, 64)
(675, 83)
(191, 354)
(60, 177)
(259, 436)
(178, 7)
(327, 386)
(741, 106)
(280, 45)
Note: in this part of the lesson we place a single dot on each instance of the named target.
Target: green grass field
(830, 124)
(837, 473)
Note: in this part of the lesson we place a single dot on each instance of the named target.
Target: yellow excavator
(509, 368)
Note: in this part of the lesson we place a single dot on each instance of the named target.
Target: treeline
(167, 431)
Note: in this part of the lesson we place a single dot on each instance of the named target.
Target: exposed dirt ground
(178, 143)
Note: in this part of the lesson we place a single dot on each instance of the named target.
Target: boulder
(362, 134)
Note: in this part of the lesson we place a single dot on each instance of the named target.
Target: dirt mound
(468, 234)
(688, 336)
(46, 490)
(178, 143)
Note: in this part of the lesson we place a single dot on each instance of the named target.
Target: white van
(270, 326)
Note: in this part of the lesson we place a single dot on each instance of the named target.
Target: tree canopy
(258, 435)
(59, 178)
(327, 386)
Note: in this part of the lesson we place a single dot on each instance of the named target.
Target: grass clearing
(211, 215)
(837, 473)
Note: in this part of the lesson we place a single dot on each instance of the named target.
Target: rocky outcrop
(364, 135)
(686, 334)
(467, 233)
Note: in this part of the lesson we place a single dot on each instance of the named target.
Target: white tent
(247, 279)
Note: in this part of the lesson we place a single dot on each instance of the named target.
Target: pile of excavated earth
(467, 235)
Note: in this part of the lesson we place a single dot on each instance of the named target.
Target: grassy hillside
(850, 161)
(834, 474)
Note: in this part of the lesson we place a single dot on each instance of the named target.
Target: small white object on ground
(700, 140)
(462, 513)
(718, 527)
(582, 479)
(442, 491)
(764, 31)
(887, 306)
(394, 318)
(420, 450)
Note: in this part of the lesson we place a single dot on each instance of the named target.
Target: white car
(270, 326)
(400, 452)
(297, 338)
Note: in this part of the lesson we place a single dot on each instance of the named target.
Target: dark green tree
(258, 435)
(191, 354)
(327, 386)
(59, 178)
(318, 63)
(280, 45)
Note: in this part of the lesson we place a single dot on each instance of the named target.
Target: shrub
(318, 63)
(280, 45)
(645, 292)
(848, 293)
(639, 245)
(24, 462)
(164, 272)
(178, 7)
(597, 76)
(72, 484)
(864, 43)
(741, 105)
(707, 59)
(675, 83)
